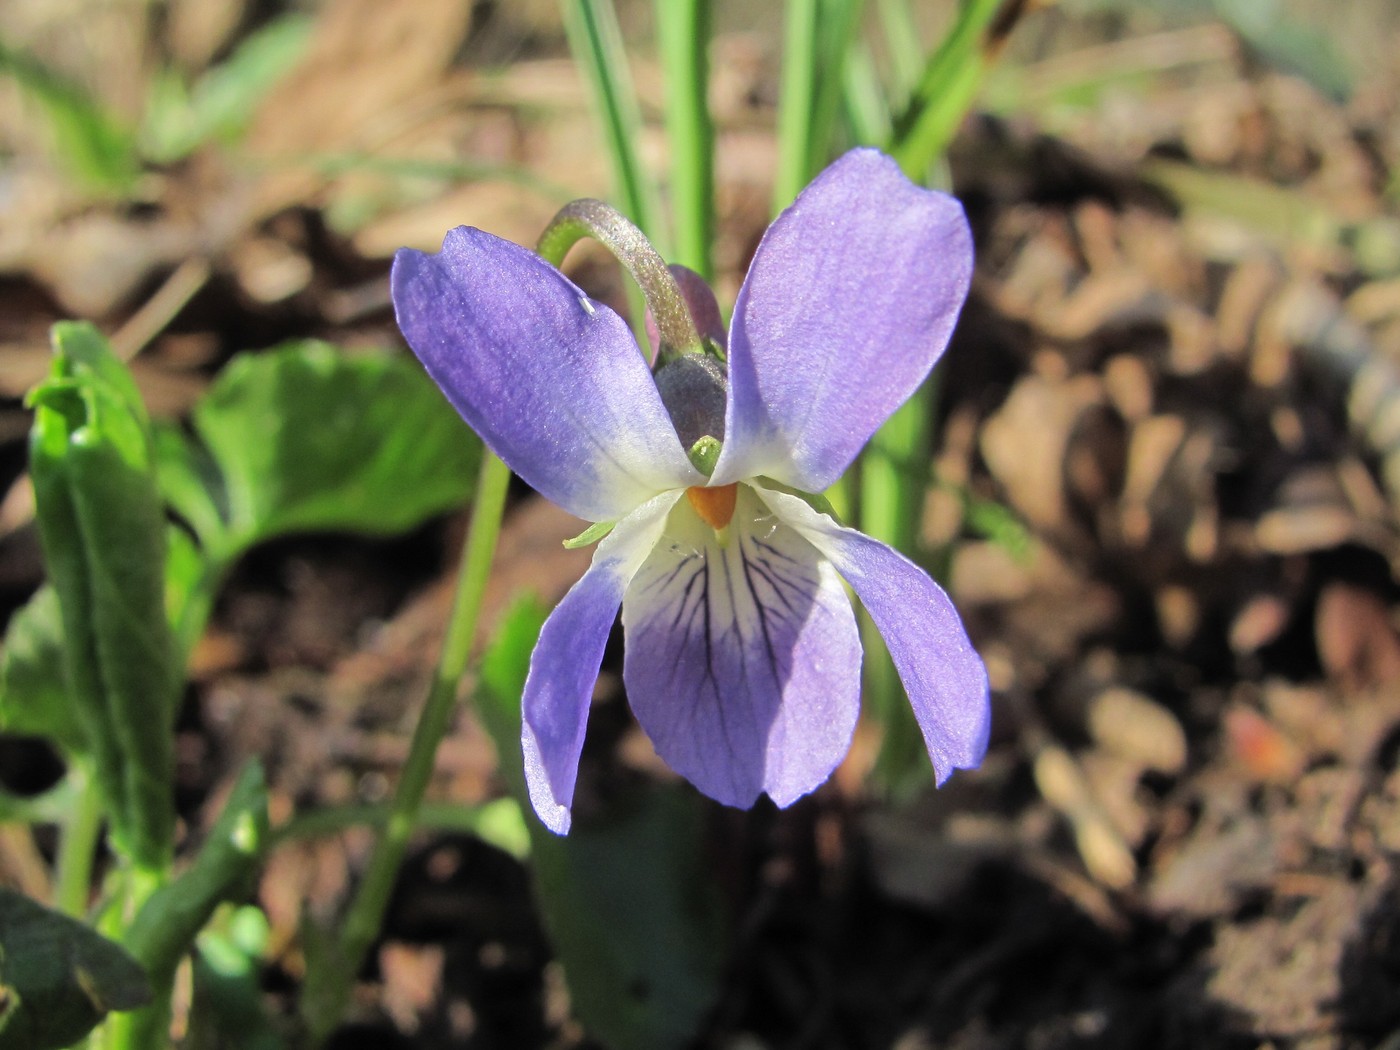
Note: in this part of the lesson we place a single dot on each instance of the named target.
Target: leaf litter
(1186, 831)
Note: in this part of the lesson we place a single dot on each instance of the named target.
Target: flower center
(714, 505)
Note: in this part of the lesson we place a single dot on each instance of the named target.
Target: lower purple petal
(943, 675)
(743, 660)
(564, 665)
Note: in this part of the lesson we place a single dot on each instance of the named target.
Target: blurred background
(1165, 494)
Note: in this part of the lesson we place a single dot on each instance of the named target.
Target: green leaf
(90, 141)
(58, 978)
(189, 482)
(189, 589)
(180, 119)
(308, 438)
(83, 353)
(631, 907)
(33, 699)
(103, 531)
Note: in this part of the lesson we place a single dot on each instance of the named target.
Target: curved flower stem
(593, 218)
(366, 915)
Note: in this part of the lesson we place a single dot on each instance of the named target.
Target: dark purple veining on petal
(742, 658)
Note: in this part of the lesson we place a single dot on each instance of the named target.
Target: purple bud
(693, 389)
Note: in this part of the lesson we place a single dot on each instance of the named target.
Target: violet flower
(742, 658)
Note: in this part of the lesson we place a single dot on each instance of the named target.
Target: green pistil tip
(704, 454)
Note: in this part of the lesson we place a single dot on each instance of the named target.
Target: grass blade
(596, 42)
(683, 35)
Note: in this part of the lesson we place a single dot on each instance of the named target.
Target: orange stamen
(715, 506)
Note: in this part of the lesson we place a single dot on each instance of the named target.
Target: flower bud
(692, 388)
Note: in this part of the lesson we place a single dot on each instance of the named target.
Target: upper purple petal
(943, 675)
(850, 300)
(743, 659)
(551, 380)
(564, 665)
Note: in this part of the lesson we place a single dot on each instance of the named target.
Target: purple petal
(564, 665)
(850, 300)
(942, 673)
(742, 660)
(552, 381)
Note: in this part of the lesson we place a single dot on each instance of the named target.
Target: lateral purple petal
(943, 675)
(564, 665)
(850, 299)
(743, 660)
(551, 380)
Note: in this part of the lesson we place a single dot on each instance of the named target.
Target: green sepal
(704, 454)
(591, 535)
(58, 978)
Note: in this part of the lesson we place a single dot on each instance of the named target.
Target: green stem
(683, 31)
(795, 103)
(496, 822)
(366, 915)
(78, 845)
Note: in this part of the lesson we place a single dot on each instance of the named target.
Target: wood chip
(1133, 725)
(1063, 784)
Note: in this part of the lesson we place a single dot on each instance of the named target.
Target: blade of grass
(866, 104)
(90, 141)
(683, 35)
(838, 28)
(596, 43)
(795, 101)
(906, 53)
(950, 82)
